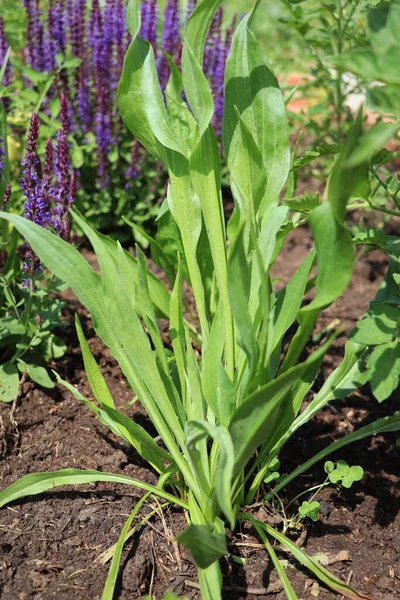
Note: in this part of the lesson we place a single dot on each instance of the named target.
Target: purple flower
(103, 135)
(35, 39)
(77, 28)
(56, 24)
(82, 98)
(96, 42)
(35, 206)
(149, 18)
(3, 51)
(171, 40)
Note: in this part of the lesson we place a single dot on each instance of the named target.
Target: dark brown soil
(50, 544)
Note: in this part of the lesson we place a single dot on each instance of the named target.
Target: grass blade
(319, 571)
(109, 587)
(386, 424)
(37, 483)
(287, 586)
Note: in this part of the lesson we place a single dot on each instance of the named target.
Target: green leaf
(140, 98)
(9, 381)
(37, 373)
(37, 483)
(206, 545)
(386, 424)
(12, 326)
(384, 365)
(371, 141)
(253, 98)
(197, 430)
(305, 159)
(304, 202)
(335, 257)
(111, 581)
(378, 326)
(255, 420)
(288, 589)
(95, 378)
(310, 510)
(219, 391)
(312, 565)
(288, 301)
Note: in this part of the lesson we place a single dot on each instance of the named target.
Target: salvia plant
(28, 312)
(225, 396)
(77, 49)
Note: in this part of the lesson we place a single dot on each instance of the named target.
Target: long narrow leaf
(37, 483)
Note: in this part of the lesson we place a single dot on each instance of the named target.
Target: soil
(51, 544)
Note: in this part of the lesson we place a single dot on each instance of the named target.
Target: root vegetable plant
(223, 414)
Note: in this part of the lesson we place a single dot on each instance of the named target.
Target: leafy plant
(310, 510)
(224, 408)
(342, 473)
(29, 311)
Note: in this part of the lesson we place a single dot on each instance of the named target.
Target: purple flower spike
(77, 27)
(3, 51)
(171, 41)
(35, 39)
(103, 135)
(149, 17)
(82, 99)
(35, 207)
(96, 42)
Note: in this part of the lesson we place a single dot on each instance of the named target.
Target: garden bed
(50, 545)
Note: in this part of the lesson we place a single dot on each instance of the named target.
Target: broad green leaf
(378, 325)
(198, 430)
(253, 97)
(37, 483)
(384, 365)
(239, 292)
(335, 257)
(182, 121)
(196, 86)
(219, 391)
(345, 179)
(109, 304)
(148, 312)
(37, 373)
(206, 545)
(384, 98)
(255, 420)
(127, 267)
(371, 141)
(96, 380)
(288, 301)
(370, 65)
(140, 98)
(9, 382)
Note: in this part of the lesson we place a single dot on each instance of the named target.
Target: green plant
(29, 310)
(223, 409)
